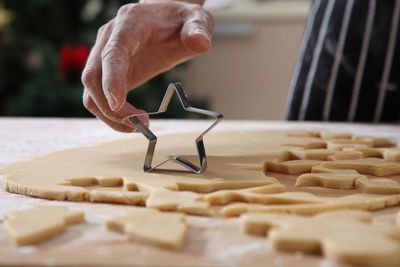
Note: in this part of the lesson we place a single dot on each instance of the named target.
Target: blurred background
(44, 45)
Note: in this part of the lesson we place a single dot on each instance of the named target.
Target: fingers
(92, 107)
(123, 43)
(142, 41)
(127, 110)
(197, 29)
(95, 98)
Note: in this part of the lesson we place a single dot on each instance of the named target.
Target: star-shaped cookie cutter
(178, 88)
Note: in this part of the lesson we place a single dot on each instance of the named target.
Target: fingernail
(112, 101)
(202, 32)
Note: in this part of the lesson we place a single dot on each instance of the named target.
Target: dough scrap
(165, 229)
(302, 134)
(346, 236)
(187, 202)
(263, 194)
(367, 152)
(329, 135)
(319, 169)
(375, 141)
(279, 198)
(345, 155)
(305, 142)
(313, 154)
(292, 166)
(329, 180)
(378, 186)
(391, 154)
(356, 201)
(340, 144)
(30, 226)
(347, 179)
(368, 166)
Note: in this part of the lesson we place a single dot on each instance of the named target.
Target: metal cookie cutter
(177, 87)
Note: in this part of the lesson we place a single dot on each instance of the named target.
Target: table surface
(210, 241)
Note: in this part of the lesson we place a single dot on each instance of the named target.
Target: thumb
(197, 30)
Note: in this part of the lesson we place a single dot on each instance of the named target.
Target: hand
(142, 41)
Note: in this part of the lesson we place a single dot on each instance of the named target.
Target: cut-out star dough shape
(165, 229)
(30, 226)
(321, 204)
(346, 236)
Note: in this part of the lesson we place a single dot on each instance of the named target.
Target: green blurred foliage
(31, 83)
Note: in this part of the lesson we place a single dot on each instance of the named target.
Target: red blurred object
(73, 58)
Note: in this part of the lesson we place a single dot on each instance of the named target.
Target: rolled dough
(112, 172)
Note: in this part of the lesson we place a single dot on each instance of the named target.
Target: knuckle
(113, 53)
(89, 75)
(109, 114)
(123, 9)
(87, 102)
(110, 51)
(105, 29)
(102, 29)
(127, 9)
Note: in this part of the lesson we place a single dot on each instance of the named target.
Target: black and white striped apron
(349, 63)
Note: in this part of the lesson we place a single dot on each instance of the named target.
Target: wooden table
(210, 241)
